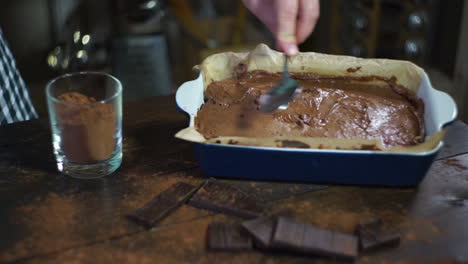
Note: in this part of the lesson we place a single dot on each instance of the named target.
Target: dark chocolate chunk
(372, 235)
(311, 240)
(292, 144)
(370, 147)
(353, 70)
(228, 237)
(162, 204)
(219, 197)
(261, 229)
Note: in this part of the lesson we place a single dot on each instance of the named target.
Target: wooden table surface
(46, 217)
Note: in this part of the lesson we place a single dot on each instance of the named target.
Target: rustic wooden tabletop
(46, 217)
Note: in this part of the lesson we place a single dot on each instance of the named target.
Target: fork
(280, 95)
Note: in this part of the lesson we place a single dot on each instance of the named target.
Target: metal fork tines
(280, 95)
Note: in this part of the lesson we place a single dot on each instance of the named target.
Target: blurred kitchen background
(152, 45)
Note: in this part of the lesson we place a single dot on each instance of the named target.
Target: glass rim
(67, 75)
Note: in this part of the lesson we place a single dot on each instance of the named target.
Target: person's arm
(291, 21)
(15, 103)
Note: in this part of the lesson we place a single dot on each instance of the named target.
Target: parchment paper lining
(221, 66)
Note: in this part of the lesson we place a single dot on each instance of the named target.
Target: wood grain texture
(46, 217)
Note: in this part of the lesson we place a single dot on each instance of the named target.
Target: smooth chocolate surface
(329, 106)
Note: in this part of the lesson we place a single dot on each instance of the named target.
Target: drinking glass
(85, 111)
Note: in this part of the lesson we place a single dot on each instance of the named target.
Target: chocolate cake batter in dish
(346, 103)
(329, 106)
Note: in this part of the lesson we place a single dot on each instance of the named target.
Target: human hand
(291, 21)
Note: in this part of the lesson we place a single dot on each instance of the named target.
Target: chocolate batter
(329, 106)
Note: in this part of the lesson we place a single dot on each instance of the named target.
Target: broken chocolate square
(311, 240)
(223, 198)
(261, 229)
(162, 204)
(228, 237)
(372, 235)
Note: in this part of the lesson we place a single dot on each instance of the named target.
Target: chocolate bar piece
(311, 240)
(162, 204)
(372, 235)
(222, 198)
(228, 237)
(261, 229)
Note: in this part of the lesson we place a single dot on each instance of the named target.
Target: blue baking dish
(319, 166)
(356, 167)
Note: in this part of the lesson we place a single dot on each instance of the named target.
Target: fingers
(308, 14)
(289, 48)
(291, 21)
(286, 16)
